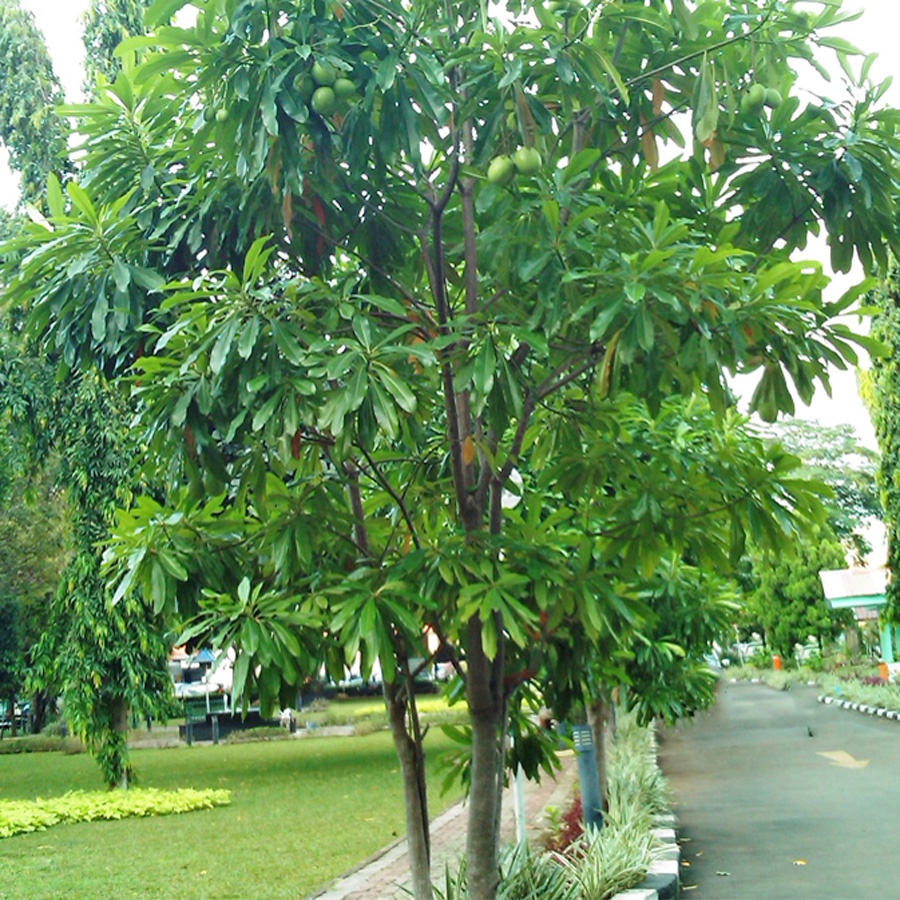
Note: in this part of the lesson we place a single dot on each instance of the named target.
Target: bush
(600, 863)
(263, 733)
(41, 743)
(21, 816)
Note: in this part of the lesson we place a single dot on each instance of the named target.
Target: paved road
(766, 814)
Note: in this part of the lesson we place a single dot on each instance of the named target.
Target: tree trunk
(485, 695)
(598, 717)
(40, 703)
(119, 719)
(412, 766)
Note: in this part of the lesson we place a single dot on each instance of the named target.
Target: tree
(29, 128)
(834, 456)
(101, 659)
(789, 601)
(883, 385)
(369, 260)
(106, 24)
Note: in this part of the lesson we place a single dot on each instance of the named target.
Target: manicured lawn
(303, 811)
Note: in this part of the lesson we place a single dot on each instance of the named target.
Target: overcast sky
(876, 31)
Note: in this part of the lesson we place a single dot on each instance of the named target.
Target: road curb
(662, 879)
(878, 711)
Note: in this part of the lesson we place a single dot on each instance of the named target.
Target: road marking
(844, 759)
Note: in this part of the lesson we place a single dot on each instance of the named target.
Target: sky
(875, 32)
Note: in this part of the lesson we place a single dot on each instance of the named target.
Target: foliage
(884, 389)
(346, 337)
(601, 863)
(106, 24)
(30, 128)
(833, 455)
(40, 743)
(21, 816)
(789, 602)
(105, 659)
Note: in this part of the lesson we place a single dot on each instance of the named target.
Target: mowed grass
(303, 812)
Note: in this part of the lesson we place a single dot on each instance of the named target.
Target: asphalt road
(767, 811)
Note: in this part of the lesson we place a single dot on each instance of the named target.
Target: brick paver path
(386, 876)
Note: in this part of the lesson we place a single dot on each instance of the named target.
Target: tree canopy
(372, 269)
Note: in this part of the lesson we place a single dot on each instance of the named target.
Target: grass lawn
(303, 812)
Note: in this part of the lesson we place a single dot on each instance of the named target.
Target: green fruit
(753, 99)
(773, 98)
(221, 115)
(209, 114)
(527, 160)
(323, 101)
(344, 88)
(501, 171)
(323, 74)
(305, 86)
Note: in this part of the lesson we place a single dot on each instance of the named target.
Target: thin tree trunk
(119, 717)
(598, 716)
(485, 695)
(412, 767)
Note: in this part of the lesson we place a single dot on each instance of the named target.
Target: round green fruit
(323, 101)
(527, 160)
(753, 99)
(305, 86)
(501, 171)
(221, 115)
(209, 114)
(323, 74)
(344, 88)
(773, 98)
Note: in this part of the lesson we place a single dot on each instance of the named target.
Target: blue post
(588, 776)
(887, 643)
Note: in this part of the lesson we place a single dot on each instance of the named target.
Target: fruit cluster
(757, 96)
(502, 169)
(322, 88)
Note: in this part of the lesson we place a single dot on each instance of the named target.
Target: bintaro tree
(371, 267)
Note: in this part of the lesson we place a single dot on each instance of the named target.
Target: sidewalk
(386, 876)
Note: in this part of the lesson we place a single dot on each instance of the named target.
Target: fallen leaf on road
(689, 887)
(723, 873)
(799, 862)
(699, 853)
(686, 863)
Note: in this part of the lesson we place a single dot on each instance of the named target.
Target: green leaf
(161, 12)
(222, 347)
(397, 388)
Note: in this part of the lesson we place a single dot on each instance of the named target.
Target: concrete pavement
(778, 796)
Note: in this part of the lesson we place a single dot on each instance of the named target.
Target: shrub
(262, 733)
(600, 863)
(21, 816)
(41, 743)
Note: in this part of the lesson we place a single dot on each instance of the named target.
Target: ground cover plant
(302, 812)
(25, 816)
(597, 864)
(433, 710)
(857, 684)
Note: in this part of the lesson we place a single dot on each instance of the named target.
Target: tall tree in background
(788, 600)
(102, 659)
(369, 260)
(106, 24)
(834, 456)
(883, 393)
(34, 136)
